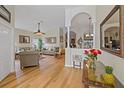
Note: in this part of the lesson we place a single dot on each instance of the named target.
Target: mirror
(111, 32)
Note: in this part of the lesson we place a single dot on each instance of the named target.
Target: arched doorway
(74, 17)
(82, 25)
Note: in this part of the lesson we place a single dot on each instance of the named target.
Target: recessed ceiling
(27, 16)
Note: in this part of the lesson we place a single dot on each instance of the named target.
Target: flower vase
(93, 65)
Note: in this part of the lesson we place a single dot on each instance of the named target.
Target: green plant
(40, 43)
(108, 69)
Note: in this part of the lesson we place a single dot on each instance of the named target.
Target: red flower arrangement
(92, 53)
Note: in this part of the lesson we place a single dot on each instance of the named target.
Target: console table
(96, 80)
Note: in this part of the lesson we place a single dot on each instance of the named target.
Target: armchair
(30, 58)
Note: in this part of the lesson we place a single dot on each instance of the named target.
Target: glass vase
(93, 65)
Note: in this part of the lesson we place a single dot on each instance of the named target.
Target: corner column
(68, 37)
(68, 49)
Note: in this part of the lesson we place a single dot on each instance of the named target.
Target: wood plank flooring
(50, 74)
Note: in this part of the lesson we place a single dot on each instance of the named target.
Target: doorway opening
(82, 25)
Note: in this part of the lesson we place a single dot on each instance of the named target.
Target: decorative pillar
(68, 37)
(68, 49)
(94, 35)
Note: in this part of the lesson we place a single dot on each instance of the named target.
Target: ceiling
(27, 16)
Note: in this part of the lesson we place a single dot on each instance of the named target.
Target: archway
(70, 15)
(82, 25)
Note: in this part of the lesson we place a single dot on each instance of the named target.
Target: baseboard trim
(11, 73)
(68, 66)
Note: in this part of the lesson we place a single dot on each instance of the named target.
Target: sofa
(49, 51)
(29, 58)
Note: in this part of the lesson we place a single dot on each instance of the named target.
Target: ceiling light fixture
(39, 32)
(90, 34)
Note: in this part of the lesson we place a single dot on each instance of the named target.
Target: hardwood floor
(50, 74)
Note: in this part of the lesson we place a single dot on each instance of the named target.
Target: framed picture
(51, 40)
(24, 39)
(5, 14)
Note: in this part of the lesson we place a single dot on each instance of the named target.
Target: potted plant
(92, 55)
(108, 69)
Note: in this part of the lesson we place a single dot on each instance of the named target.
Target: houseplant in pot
(92, 54)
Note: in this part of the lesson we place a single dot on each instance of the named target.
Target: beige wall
(52, 33)
(25, 33)
(116, 62)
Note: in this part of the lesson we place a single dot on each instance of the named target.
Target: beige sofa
(29, 58)
(49, 51)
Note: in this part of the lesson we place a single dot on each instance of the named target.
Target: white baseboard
(68, 66)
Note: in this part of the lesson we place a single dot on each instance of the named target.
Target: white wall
(27, 16)
(116, 62)
(71, 12)
(7, 45)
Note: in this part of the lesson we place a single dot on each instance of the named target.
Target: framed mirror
(111, 32)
